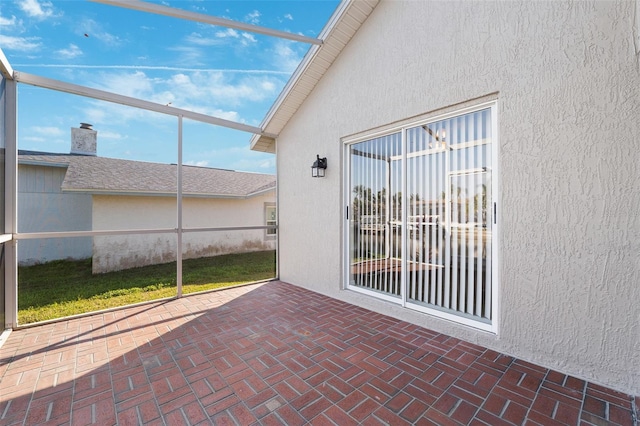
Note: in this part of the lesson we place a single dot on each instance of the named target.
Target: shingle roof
(115, 176)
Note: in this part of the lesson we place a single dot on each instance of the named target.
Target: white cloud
(47, 130)
(136, 84)
(203, 87)
(288, 16)
(33, 138)
(202, 163)
(25, 44)
(229, 32)
(246, 161)
(70, 52)
(285, 57)
(253, 17)
(218, 94)
(236, 158)
(110, 135)
(188, 55)
(95, 30)
(197, 39)
(247, 39)
(227, 36)
(9, 22)
(34, 9)
(226, 115)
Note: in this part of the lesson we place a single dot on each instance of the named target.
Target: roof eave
(59, 164)
(335, 35)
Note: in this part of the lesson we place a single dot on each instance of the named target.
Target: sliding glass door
(420, 215)
(375, 232)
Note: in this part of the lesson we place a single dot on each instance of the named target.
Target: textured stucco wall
(132, 212)
(568, 83)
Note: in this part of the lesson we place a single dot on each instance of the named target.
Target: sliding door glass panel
(426, 171)
(375, 220)
(449, 223)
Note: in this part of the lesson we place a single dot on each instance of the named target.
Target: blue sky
(222, 72)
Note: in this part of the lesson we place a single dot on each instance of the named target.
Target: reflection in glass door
(375, 218)
(438, 241)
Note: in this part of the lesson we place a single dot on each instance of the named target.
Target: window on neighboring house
(421, 216)
(270, 220)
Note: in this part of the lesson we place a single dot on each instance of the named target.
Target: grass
(62, 288)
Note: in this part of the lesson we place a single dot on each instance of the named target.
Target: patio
(274, 353)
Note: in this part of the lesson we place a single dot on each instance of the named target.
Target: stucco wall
(43, 207)
(112, 253)
(568, 83)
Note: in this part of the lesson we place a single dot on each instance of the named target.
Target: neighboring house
(44, 207)
(80, 192)
(512, 130)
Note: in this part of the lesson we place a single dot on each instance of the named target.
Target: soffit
(347, 19)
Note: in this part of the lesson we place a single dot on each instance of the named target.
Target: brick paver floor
(277, 354)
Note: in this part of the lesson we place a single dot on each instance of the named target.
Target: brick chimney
(84, 140)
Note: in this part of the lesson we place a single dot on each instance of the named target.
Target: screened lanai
(133, 186)
(162, 208)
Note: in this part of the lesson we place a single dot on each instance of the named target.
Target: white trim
(11, 284)
(110, 232)
(179, 213)
(72, 234)
(496, 196)
(452, 317)
(397, 300)
(266, 206)
(207, 19)
(346, 216)
(230, 228)
(4, 336)
(5, 66)
(54, 164)
(165, 194)
(11, 204)
(261, 192)
(404, 276)
(5, 237)
(428, 118)
(277, 215)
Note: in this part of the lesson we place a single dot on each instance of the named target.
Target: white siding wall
(135, 212)
(568, 84)
(43, 207)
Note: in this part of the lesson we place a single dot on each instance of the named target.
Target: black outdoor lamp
(319, 166)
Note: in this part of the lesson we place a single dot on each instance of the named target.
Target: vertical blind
(446, 228)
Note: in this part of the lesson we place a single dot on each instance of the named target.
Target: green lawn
(62, 288)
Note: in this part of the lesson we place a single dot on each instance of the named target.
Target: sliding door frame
(492, 206)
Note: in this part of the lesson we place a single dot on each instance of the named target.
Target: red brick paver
(276, 354)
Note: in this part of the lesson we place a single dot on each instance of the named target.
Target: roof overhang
(344, 23)
(59, 164)
(5, 66)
